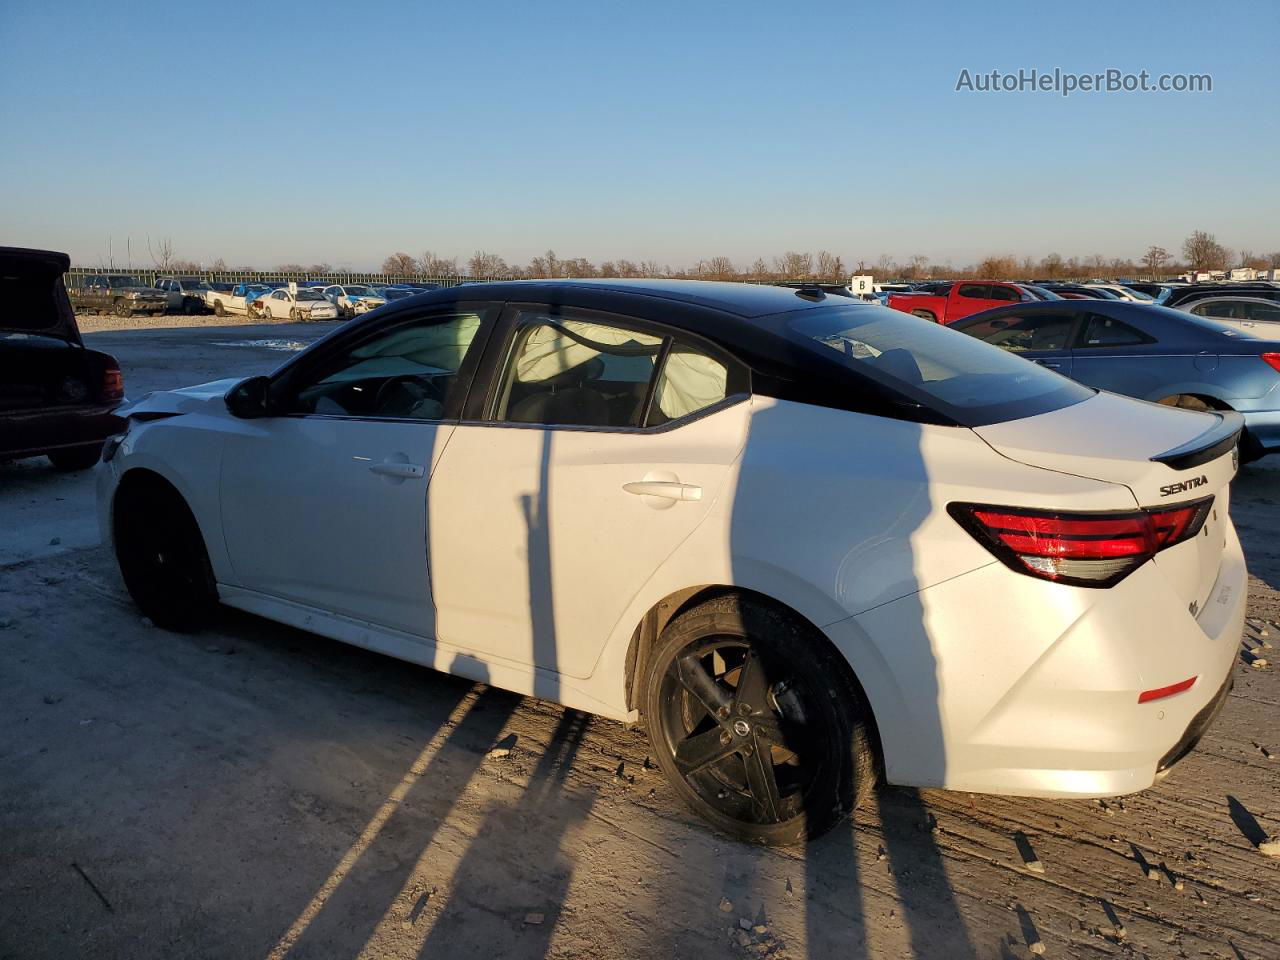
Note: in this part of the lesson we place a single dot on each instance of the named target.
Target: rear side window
(974, 291)
(583, 370)
(968, 381)
(1102, 331)
(1020, 333)
(1266, 312)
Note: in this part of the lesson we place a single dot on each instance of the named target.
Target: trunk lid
(1164, 455)
(33, 299)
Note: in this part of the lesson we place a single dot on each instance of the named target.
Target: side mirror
(248, 398)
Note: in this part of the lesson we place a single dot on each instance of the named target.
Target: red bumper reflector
(1161, 692)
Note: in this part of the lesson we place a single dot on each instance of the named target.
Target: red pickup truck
(949, 303)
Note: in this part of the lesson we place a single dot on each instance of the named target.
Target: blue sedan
(1149, 352)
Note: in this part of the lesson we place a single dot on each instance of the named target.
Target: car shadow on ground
(1255, 494)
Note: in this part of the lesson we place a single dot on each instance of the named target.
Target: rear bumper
(1264, 429)
(31, 434)
(994, 682)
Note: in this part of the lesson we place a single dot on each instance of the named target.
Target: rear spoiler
(1210, 445)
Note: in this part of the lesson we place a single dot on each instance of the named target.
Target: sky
(304, 132)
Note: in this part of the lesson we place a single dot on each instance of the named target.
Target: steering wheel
(405, 394)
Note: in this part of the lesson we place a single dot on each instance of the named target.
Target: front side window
(1102, 331)
(938, 367)
(407, 372)
(1005, 293)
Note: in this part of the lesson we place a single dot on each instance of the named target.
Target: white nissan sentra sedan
(808, 541)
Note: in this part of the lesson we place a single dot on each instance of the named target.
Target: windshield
(357, 290)
(1040, 293)
(194, 284)
(391, 294)
(117, 282)
(309, 294)
(965, 379)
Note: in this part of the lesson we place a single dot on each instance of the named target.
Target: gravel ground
(253, 790)
(98, 322)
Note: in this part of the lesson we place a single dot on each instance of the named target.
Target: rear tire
(76, 458)
(219, 309)
(924, 315)
(162, 556)
(755, 723)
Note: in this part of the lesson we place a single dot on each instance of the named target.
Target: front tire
(76, 458)
(123, 309)
(162, 556)
(755, 723)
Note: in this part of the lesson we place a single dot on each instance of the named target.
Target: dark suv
(57, 397)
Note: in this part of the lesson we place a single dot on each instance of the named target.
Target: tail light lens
(112, 384)
(1272, 360)
(1081, 549)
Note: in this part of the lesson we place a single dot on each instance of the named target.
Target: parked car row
(125, 296)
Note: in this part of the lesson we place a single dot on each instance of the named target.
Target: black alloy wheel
(760, 734)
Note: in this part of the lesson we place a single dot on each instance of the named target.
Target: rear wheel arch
(671, 606)
(1195, 401)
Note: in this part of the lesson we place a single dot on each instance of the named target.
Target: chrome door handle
(395, 468)
(667, 489)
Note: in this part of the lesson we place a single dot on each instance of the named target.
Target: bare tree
(1051, 265)
(1154, 260)
(831, 267)
(914, 267)
(485, 265)
(1203, 252)
(884, 265)
(219, 266)
(1273, 259)
(760, 270)
(162, 254)
(399, 265)
(433, 265)
(997, 267)
(794, 265)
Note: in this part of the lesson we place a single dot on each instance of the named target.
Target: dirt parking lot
(254, 791)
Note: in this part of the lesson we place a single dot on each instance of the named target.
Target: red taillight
(1272, 360)
(1084, 549)
(112, 384)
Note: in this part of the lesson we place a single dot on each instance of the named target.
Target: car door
(1042, 336)
(600, 445)
(969, 298)
(277, 304)
(324, 502)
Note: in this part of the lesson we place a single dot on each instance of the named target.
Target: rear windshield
(964, 379)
